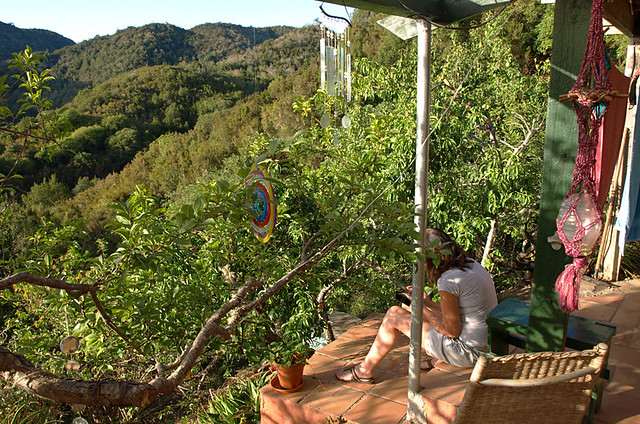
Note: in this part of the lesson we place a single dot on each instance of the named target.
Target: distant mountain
(214, 42)
(94, 61)
(16, 39)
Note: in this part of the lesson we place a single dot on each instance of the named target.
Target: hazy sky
(84, 19)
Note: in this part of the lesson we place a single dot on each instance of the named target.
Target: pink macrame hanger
(579, 222)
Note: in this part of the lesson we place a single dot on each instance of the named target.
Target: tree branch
(74, 290)
(18, 370)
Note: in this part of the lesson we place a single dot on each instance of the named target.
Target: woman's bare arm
(444, 317)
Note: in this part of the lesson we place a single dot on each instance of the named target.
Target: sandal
(355, 377)
(427, 364)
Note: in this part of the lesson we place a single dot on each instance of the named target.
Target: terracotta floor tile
(623, 335)
(373, 320)
(611, 299)
(276, 408)
(619, 409)
(403, 341)
(376, 410)
(627, 317)
(332, 399)
(309, 386)
(393, 360)
(634, 343)
(361, 333)
(385, 402)
(402, 366)
(623, 356)
(323, 367)
(452, 369)
(345, 349)
(631, 301)
(395, 389)
(596, 311)
(443, 386)
(624, 381)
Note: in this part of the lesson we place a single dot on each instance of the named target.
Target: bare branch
(529, 130)
(301, 267)
(25, 134)
(74, 290)
(304, 255)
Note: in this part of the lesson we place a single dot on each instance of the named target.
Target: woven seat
(544, 387)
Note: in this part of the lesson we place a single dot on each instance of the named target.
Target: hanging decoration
(335, 74)
(69, 345)
(579, 221)
(263, 205)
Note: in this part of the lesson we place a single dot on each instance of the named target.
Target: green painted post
(547, 322)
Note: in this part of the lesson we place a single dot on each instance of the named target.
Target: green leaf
(123, 219)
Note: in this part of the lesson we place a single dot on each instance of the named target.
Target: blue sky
(84, 19)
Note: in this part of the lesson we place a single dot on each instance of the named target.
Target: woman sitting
(454, 330)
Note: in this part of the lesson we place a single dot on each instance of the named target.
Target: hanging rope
(579, 222)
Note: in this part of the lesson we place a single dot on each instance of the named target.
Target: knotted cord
(580, 220)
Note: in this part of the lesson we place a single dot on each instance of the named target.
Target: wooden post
(547, 322)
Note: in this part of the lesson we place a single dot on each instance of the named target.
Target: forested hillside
(190, 76)
(16, 39)
(217, 46)
(126, 213)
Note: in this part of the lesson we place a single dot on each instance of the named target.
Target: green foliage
(178, 241)
(38, 200)
(371, 40)
(18, 407)
(17, 39)
(239, 403)
(630, 263)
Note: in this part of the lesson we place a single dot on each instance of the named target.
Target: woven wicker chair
(544, 387)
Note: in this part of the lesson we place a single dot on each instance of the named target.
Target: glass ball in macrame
(586, 215)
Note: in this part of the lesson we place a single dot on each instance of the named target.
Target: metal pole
(414, 412)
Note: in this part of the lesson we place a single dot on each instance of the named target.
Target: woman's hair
(450, 254)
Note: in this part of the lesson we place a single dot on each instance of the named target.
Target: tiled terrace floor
(323, 399)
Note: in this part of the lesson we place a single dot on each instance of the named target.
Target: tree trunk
(17, 370)
(489, 243)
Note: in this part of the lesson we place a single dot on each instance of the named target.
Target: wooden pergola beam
(620, 14)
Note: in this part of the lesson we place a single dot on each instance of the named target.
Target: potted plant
(288, 357)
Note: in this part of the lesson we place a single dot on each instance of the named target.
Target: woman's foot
(354, 373)
(428, 363)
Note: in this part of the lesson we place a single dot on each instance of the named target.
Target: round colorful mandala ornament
(263, 205)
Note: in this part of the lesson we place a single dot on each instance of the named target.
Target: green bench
(508, 325)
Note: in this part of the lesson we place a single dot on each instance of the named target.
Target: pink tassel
(568, 284)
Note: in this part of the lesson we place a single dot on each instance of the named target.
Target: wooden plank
(547, 322)
(619, 13)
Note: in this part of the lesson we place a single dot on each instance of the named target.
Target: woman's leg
(397, 320)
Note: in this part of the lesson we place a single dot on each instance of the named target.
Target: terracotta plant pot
(290, 377)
